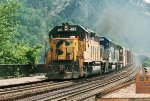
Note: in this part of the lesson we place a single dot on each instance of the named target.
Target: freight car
(77, 52)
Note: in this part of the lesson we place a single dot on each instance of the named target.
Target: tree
(12, 49)
(8, 26)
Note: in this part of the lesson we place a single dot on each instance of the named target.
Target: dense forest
(12, 49)
(25, 24)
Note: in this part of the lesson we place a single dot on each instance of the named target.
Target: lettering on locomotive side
(70, 29)
(101, 39)
(73, 29)
(59, 29)
(143, 83)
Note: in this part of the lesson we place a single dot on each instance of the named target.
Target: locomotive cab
(110, 55)
(105, 45)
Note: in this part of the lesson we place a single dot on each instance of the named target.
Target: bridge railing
(14, 70)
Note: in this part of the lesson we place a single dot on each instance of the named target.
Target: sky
(147, 1)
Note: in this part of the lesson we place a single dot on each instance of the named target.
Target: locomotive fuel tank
(95, 68)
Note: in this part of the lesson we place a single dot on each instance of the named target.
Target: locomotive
(77, 52)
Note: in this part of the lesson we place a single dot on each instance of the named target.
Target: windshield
(63, 35)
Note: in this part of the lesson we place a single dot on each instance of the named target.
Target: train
(77, 52)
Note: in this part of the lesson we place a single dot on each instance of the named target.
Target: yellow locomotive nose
(61, 50)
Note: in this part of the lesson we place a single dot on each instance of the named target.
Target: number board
(70, 29)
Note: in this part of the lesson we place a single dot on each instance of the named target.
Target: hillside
(124, 21)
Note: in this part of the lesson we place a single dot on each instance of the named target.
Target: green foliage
(147, 63)
(12, 49)
(8, 26)
(33, 55)
(37, 17)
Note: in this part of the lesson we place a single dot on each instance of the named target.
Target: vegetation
(8, 26)
(147, 63)
(12, 50)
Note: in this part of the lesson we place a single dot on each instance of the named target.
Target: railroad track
(14, 93)
(23, 90)
(20, 91)
(106, 85)
(88, 87)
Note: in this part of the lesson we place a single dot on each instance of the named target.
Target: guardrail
(15, 70)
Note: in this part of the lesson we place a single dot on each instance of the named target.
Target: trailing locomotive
(76, 52)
